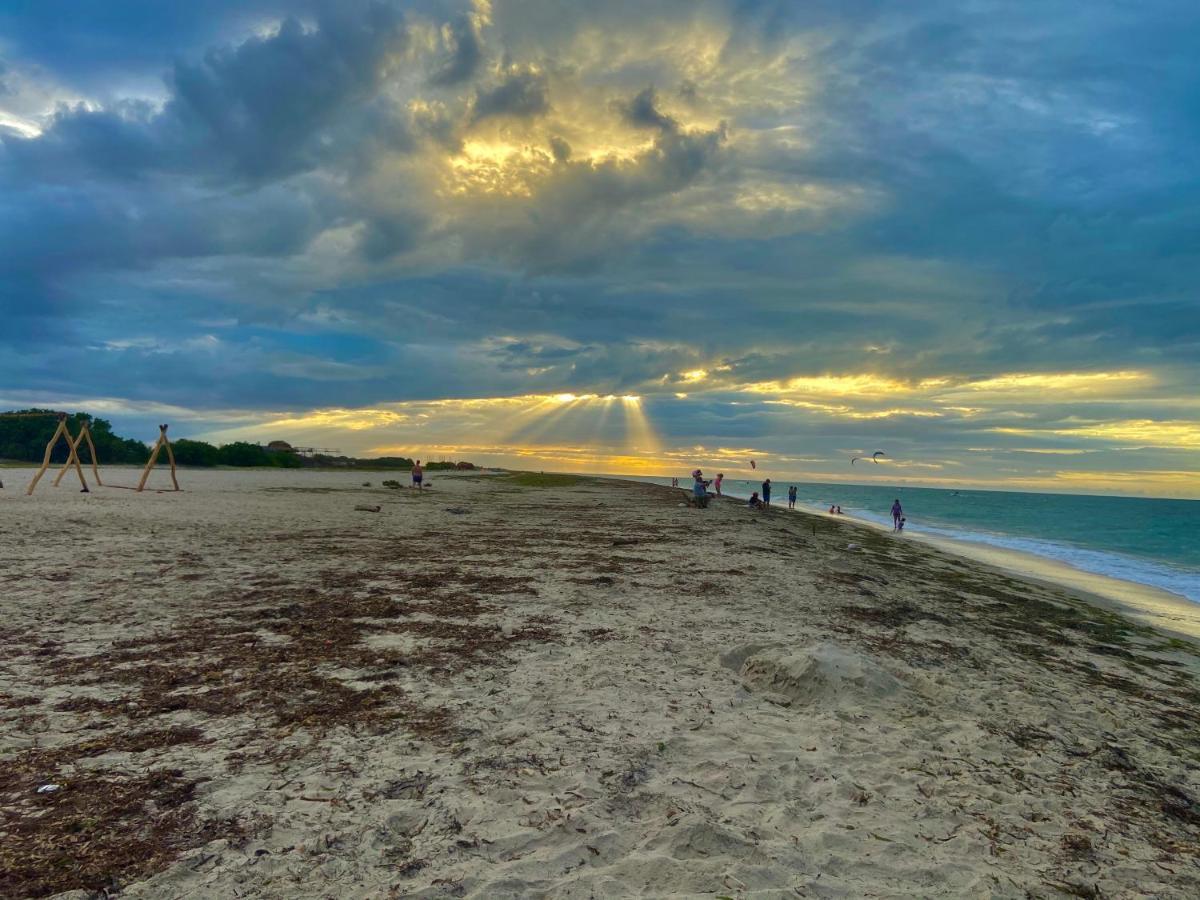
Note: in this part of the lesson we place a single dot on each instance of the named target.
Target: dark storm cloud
(259, 110)
(520, 93)
(642, 111)
(462, 52)
(942, 189)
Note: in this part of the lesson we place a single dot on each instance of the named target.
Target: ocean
(1147, 541)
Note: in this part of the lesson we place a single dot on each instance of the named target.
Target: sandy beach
(523, 686)
(1143, 603)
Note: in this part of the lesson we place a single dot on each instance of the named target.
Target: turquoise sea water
(1148, 541)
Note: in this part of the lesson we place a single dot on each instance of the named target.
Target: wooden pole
(84, 432)
(74, 445)
(162, 431)
(170, 456)
(73, 457)
(62, 425)
(92, 447)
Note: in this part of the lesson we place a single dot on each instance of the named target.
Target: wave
(1179, 581)
(1098, 562)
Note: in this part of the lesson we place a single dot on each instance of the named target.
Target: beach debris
(367, 507)
(392, 483)
(412, 787)
(457, 511)
(852, 546)
(824, 673)
(366, 484)
(49, 788)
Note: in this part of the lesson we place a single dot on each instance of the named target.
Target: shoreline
(561, 686)
(1145, 603)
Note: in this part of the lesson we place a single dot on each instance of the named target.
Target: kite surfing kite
(753, 464)
(874, 457)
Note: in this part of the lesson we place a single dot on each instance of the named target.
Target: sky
(617, 236)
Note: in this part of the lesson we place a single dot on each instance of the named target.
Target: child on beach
(418, 475)
(792, 497)
(755, 503)
(717, 483)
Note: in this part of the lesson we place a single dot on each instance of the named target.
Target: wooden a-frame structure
(85, 433)
(72, 455)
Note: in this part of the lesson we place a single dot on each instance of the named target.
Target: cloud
(450, 200)
(521, 93)
(462, 52)
(642, 112)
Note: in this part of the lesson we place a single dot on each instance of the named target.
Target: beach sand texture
(524, 687)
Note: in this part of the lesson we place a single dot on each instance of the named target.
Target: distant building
(281, 447)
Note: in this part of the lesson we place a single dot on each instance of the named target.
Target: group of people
(763, 500)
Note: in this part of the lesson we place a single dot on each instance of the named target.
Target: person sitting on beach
(700, 489)
(717, 483)
(755, 503)
(832, 509)
(792, 497)
(839, 511)
(897, 514)
(418, 475)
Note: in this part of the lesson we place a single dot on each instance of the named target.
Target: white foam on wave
(1179, 581)
(1098, 562)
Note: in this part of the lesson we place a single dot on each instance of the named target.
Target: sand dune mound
(824, 674)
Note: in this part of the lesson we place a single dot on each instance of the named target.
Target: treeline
(24, 439)
(239, 453)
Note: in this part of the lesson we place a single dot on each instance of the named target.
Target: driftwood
(85, 433)
(72, 456)
(158, 446)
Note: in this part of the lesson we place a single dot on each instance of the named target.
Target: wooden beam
(162, 432)
(84, 432)
(62, 426)
(73, 457)
(170, 456)
(92, 447)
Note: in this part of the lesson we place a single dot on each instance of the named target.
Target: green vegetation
(25, 439)
(543, 480)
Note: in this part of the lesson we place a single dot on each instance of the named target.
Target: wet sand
(1143, 603)
(564, 688)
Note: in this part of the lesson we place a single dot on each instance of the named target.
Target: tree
(194, 453)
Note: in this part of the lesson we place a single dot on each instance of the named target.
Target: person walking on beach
(766, 492)
(897, 514)
(792, 497)
(418, 475)
(717, 483)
